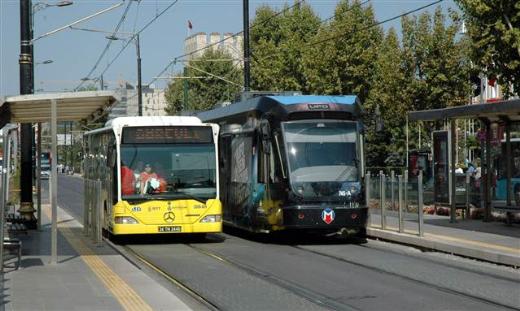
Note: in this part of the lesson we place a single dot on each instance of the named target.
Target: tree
(277, 43)
(494, 29)
(221, 82)
(341, 58)
(386, 105)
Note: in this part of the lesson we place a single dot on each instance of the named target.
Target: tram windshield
(168, 171)
(322, 157)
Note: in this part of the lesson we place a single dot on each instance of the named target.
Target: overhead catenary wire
(107, 46)
(175, 59)
(150, 22)
(137, 33)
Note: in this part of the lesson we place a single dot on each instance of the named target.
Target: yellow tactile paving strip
(124, 294)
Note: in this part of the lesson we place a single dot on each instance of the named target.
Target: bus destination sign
(167, 135)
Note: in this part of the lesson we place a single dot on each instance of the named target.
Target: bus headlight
(125, 220)
(211, 218)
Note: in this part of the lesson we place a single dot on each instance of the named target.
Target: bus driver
(150, 182)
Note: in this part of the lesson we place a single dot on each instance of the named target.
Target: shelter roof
(72, 106)
(509, 109)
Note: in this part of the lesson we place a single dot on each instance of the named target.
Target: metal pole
(405, 185)
(367, 189)
(99, 204)
(400, 209)
(185, 89)
(392, 187)
(86, 206)
(139, 85)
(26, 134)
(453, 215)
(246, 46)
(466, 212)
(54, 184)
(487, 195)
(2, 217)
(382, 199)
(367, 195)
(509, 159)
(420, 203)
(38, 176)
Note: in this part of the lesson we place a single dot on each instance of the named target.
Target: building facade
(154, 101)
(194, 45)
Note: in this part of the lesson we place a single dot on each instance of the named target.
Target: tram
(158, 175)
(292, 162)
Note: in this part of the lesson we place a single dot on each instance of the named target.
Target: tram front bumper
(319, 217)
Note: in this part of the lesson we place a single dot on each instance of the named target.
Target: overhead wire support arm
(137, 33)
(77, 22)
(213, 75)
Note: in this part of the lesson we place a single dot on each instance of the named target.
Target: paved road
(235, 271)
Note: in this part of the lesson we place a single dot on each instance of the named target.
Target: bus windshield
(322, 157)
(168, 171)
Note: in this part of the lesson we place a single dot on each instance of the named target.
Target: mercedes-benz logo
(169, 217)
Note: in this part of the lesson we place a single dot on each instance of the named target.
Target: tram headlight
(211, 218)
(125, 220)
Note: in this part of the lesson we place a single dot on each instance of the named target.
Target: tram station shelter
(52, 108)
(506, 113)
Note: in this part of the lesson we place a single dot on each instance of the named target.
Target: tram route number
(169, 228)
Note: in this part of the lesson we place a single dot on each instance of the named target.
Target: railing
(395, 196)
(92, 211)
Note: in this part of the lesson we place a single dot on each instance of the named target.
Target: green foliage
(222, 83)
(277, 47)
(494, 29)
(341, 58)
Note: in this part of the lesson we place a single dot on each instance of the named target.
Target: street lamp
(45, 62)
(26, 63)
(43, 5)
(139, 85)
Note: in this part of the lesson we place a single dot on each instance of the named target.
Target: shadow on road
(294, 237)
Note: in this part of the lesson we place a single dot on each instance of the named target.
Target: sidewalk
(86, 277)
(490, 241)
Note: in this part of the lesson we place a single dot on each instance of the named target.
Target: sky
(74, 52)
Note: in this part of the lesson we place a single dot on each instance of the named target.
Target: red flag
(190, 26)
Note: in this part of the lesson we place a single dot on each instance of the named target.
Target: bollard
(382, 199)
(420, 203)
(392, 188)
(400, 201)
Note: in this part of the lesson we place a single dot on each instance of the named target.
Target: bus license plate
(169, 229)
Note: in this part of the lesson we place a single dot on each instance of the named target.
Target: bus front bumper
(119, 229)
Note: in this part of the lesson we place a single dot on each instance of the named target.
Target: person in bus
(150, 181)
(127, 180)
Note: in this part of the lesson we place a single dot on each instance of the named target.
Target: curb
(447, 247)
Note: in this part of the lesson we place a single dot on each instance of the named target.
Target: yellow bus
(154, 175)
